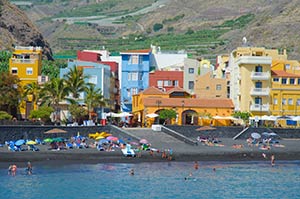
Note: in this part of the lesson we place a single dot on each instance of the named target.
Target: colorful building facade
(190, 111)
(26, 63)
(166, 80)
(135, 75)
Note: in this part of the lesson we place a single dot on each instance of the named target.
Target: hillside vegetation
(202, 28)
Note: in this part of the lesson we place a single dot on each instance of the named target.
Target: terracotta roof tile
(190, 102)
(177, 89)
(282, 73)
(153, 91)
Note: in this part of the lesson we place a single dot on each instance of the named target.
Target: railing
(260, 75)
(260, 91)
(27, 48)
(259, 107)
(26, 61)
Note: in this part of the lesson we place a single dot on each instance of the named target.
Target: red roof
(142, 51)
(152, 91)
(282, 73)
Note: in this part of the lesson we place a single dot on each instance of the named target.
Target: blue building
(135, 75)
(98, 74)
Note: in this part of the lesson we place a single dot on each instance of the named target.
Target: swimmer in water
(189, 176)
(29, 168)
(131, 172)
(196, 165)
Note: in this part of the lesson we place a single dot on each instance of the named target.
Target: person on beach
(170, 154)
(29, 168)
(264, 155)
(196, 165)
(273, 160)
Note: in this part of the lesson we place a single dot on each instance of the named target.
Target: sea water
(155, 180)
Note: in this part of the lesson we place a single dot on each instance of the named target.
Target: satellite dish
(244, 40)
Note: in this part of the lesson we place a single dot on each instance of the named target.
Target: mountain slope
(17, 29)
(275, 24)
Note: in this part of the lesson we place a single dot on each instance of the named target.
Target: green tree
(93, 98)
(10, 92)
(243, 115)
(32, 89)
(75, 82)
(157, 27)
(5, 116)
(42, 113)
(77, 111)
(167, 114)
(4, 60)
(53, 93)
(51, 68)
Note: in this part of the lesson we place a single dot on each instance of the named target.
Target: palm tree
(75, 82)
(93, 98)
(34, 90)
(52, 93)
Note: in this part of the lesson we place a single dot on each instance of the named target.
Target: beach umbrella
(152, 115)
(265, 134)
(144, 141)
(134, 143)
(30, 142)
(57, 139)
(112, 138)
(55, 130)
(102, 141)
(19, 142)
(121, 141)
(205, 128)
(255, 135)
(273, 134)
(48, 140)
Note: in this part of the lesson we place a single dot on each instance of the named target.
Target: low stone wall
(14, 132)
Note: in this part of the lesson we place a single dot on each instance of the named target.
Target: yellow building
(208, 86)
(190, 111)
(26, 63)
(264, 82)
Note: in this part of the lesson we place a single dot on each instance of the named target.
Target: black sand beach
(289, 149)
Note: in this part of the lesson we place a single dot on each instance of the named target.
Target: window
(128, 92)
(191, 84)
(175, 83)
(290, 101)
(258, 84)
(275, 101)
(284, 101)
(159, 83)
(133, 76)
(283, 81)
(218, 87)
(275, 79)
(14, 70)
(134, 91)
(258, 100)
(287, 66)
(298, 81)
(134, 59)
(29, 71)
(292, 81)
(298, 102)
(191, 70)
(93, 79)
(258, 69)
(167, 83)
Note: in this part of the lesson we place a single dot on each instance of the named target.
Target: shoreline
(67, 158)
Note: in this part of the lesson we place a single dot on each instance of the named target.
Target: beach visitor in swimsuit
(29, 168)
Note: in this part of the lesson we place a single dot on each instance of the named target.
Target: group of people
(12, 169)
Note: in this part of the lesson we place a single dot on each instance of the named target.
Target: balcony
(23, 61)
(260, 91)
(254, 60)
(260, 108)
(260, 75)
